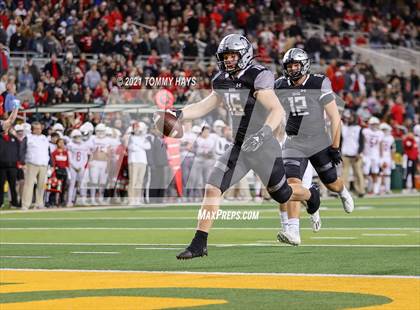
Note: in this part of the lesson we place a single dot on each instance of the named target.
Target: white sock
(343, 191)
(293, 225)
(387, 183)
(284, 219)
(369, 184)
(377, 186)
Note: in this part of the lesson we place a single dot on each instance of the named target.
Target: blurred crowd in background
(55, 52)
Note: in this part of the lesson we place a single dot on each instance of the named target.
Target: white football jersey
(78, 154)
(188, 138)
(373, 140)
(101, 144)
(387, 143)
(207, 145)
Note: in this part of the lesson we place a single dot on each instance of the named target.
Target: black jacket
(157, 155)
(10, 152)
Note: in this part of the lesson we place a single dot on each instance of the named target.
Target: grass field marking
(335, 238)
(212, 244)
(348, 217)
(404, 292)
(384, 235)
(194, 228)
(114, 302)
(334, 275)
(23, 256)
(154, 248)
(82, 252)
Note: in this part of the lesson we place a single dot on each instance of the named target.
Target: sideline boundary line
(218, 273)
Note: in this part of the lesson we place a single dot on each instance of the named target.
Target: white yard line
(95, 252)
(334, 238)
(212, 244)
(194, 228)
(384, 235)
(219, 273)
(22, 256)
(148, 218)
(153, 248)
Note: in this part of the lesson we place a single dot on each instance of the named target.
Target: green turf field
(381, 237)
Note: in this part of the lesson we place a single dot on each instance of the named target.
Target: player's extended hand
(335, 155)
(254, 142)
(175, 112)
(16, 104)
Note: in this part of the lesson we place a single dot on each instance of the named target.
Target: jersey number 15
(233, 101)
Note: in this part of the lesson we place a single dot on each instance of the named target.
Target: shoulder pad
(258, 67)
(319, 75)
(216, 76)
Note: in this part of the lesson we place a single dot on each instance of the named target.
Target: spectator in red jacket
(398, 110)
(412, 151)
(40, 95)
(60, 163)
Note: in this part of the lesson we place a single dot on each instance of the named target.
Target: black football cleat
(315, 201)
(189, 253)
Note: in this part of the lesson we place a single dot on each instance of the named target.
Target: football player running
(306, 99)
(246, 90)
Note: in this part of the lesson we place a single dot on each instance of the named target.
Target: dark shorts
(266, 162)
(295, 166)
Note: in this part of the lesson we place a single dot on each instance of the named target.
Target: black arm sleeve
(22, 150)
(361, 142)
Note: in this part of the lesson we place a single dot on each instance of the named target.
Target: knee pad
(294, 168)
(280, 192)
(327, 173)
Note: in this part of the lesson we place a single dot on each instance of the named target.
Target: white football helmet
(58, 127)
(76, 136)
(109, 132)
(385, 128)
(196, 129)
(374, 123)
(100, 130)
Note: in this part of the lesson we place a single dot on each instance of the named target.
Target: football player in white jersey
(87, 136)
(372, 154)
(388, 148)
(217, 135)
(98, 166)
(79, 152)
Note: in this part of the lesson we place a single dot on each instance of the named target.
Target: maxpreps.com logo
(228, 215)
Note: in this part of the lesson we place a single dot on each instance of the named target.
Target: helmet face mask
(291, 60)
(230, 61)
(231, 45)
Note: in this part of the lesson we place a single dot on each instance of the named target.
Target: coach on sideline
(36, 160)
